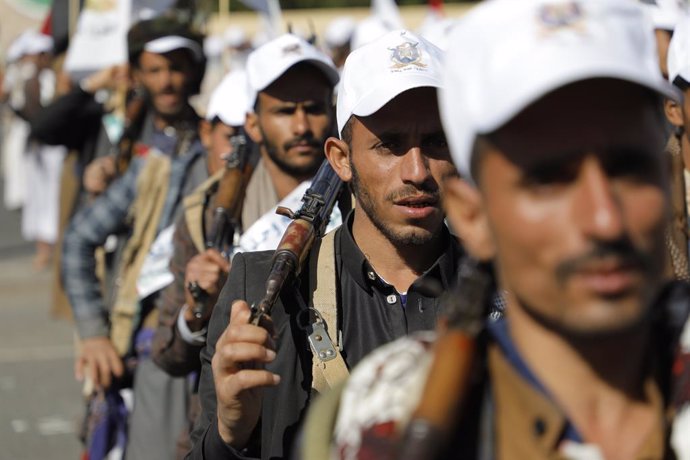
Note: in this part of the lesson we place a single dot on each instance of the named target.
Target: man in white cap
(290, 116)
(338, 38)
(564, 190)
(392, 152)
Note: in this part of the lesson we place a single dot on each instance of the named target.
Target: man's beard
(367, 204)
(303, 170)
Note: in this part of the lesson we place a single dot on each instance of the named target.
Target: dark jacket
(372, 314)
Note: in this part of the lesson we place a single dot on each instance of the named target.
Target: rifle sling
(327, 374)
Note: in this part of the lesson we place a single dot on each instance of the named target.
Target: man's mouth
(302, 147)
(421, 201)
(417, 207)
(609, 277)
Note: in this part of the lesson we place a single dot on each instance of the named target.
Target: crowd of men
(503, 276)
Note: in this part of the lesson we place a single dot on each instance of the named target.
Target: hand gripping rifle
(308, 224)
(227, 206)
(452, 368)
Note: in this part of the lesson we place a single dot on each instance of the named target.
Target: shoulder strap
(194, 207)
(152, 187)
(327, 373)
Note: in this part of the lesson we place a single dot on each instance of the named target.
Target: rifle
(308, 224)
(135, 111)
(227, 207)
(452, 366)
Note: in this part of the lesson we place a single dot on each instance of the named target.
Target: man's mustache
(621, 251)
(310, 141)
(426, 190)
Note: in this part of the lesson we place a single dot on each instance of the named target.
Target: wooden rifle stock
(452, 367)
(135, 113)
(227, 206)
(228, 200)
(308, 224)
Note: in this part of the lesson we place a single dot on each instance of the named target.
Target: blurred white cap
(340, 31)
(511, 53)
(170, 43)
(679, 51)
(268, 62)
(229, 101)
(664, 13)
(234, 37)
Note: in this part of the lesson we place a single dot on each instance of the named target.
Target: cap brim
(378, 97)
(328, 70)
(174, 42)
(579, 72)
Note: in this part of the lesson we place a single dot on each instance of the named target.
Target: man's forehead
(595, 114)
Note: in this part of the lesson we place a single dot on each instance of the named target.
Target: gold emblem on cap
(294, 48)
(555, 17)
(406, 54)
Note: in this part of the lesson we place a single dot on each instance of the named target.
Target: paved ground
(40, 403)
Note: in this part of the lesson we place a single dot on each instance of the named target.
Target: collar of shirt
(527, 414)
(366, 277)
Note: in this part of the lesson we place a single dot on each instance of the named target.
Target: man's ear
(251, 127)
(338, 155)
(674, 112)
(465, 212)
(205, 129)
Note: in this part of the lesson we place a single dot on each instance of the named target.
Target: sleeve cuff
(92, 327)
(215, 447)
(192, 338)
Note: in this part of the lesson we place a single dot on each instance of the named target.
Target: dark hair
(346, 132)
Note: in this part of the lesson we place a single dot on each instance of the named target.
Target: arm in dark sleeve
(69, 120)
(89, 229)
(206, 441)
(170, 351)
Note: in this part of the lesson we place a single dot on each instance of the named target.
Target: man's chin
(597, 322)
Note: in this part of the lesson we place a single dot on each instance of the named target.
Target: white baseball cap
(268, 62)
(378, 72)
(229, 101)
(664, 13)
(170, 43)
(509, 54)
(339, 31)
(38, 43)
(679, 51)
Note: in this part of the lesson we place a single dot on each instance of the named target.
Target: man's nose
(300, 122)
(598, 210)
(415, 167)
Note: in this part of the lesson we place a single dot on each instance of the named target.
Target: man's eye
(316, 109)
(632, 164)
(551, 174)
(437, 142)
(387, 146)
